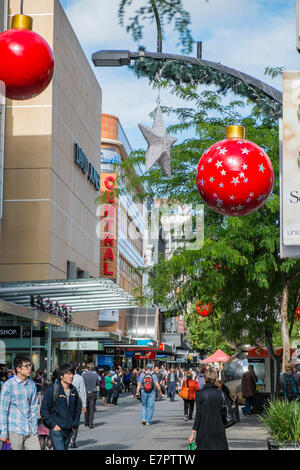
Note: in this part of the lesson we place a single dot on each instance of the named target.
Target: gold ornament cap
(235, 132)
(21, 22)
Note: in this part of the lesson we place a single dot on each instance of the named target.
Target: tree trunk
(284, 327)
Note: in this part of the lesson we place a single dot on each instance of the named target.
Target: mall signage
(81, 346)
(109, 158)
(290, 167)
(109, 227)
(82, 161)
(10, 332)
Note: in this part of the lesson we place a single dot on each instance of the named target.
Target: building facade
(51, 175)
(121, 230)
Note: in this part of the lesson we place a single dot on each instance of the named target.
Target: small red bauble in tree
(27, 63)
(203, 310)
(235, 177)
(297, 314)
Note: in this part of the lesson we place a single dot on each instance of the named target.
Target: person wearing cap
(147, 383)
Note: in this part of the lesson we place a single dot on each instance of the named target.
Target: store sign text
(109, 214)
(82, 161)
(13, 332)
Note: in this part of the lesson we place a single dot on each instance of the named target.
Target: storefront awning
(29, 313)
(80, 294)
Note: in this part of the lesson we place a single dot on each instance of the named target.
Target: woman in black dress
(208, 428)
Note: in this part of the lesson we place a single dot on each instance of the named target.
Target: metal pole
(158, 24)
(31, 340)
(49, 352)
(199, 50)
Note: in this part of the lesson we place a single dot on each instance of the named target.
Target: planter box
(276, 445)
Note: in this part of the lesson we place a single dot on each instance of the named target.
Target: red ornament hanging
(27, 62)
(297, 314)
(203, 310)
(235, 177)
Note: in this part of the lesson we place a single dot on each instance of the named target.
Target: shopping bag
(6, 445)
(228, 416)
(191, 446)
(184, 393)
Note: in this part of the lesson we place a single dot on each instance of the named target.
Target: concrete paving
(119, 428)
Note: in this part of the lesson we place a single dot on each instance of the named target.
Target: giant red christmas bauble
(235, 177)
(27, 63)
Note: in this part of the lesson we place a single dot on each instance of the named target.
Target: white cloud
(244, 35)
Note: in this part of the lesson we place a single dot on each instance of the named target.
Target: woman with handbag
(208, 429)
(188, 392)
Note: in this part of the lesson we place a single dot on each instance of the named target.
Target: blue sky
(244, 34)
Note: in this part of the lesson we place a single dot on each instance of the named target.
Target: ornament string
(253, 90)
(22, 7)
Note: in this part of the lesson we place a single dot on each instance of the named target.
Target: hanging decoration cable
(159, 142)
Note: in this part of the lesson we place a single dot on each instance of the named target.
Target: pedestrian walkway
(119, 428)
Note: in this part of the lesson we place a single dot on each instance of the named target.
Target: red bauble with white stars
(235, 177)
(27, 62)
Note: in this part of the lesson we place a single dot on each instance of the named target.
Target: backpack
(55, 394)
(148, 382)
(289, 386)
(201, 381)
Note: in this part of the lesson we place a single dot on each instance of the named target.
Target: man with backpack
(147, 383)
(200, 378)
(290, 384)
(61, 408)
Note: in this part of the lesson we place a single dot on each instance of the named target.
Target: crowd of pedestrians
(41, 414)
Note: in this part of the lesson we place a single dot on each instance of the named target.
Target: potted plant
(282, 419)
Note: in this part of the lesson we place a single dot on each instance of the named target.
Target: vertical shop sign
(109, 227)
(290, 167)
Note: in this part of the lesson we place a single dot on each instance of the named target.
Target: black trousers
(189, 408)
(126, 385)
(91, 399)
(116, 392)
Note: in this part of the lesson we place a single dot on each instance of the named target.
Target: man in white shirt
(78, 382)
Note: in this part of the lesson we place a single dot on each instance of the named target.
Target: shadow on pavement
(107, 447)
(86, 442)
(249, 444)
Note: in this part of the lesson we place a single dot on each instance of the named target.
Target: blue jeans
(148, 400)
(172, 390)
(108, 395)
(249, 402)
(60, 439)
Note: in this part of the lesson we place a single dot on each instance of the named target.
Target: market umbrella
(218, 356)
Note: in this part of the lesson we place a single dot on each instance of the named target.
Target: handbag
(191, 446)
(6, 445)
(227, 413)
(184, 393)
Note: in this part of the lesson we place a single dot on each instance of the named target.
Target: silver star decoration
(159, 143)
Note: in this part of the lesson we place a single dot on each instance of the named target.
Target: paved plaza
(119, 428)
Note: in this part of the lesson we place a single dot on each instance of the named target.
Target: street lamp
(119, 58)
(111, 58)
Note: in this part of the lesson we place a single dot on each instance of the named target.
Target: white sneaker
(147, 424)
(185, 418)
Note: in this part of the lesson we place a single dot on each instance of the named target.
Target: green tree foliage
(252, 289)
(207, 333)
(171, 11)
(238, 269)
